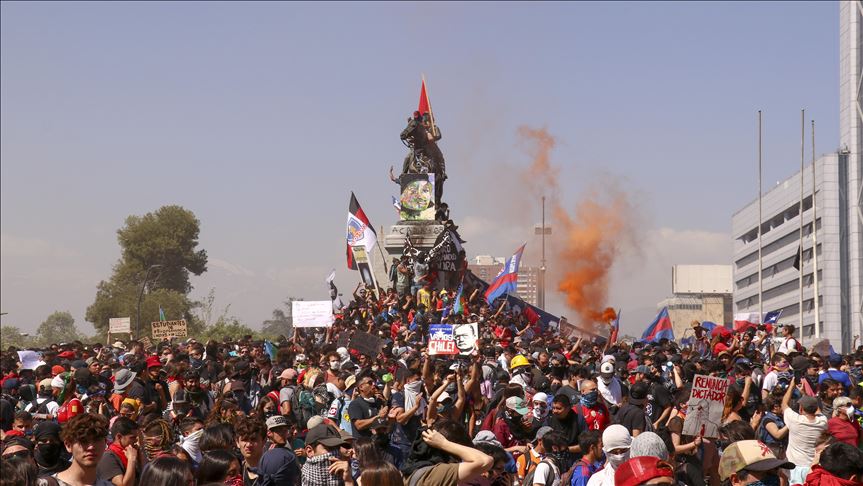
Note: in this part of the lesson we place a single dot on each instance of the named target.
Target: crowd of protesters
(526, 407)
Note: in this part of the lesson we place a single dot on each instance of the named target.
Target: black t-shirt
(362, 409)
(571, 427)
(657, 400)
(110, 466)
(632, 417)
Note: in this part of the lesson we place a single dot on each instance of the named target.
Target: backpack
(797, 346)
(528, 478)
(303, 406)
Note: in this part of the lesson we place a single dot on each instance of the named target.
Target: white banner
(119, 324)
(704, 409)
(312, 313)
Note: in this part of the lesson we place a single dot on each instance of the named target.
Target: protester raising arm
(472, 462)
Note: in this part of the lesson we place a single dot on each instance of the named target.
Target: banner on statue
(441, 340)
(312, 313)
(704, 409)
(366, 343)
(169, 329)
(119, 324)
(417, 199)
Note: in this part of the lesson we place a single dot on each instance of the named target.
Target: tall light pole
(140, 295)
(542, 230)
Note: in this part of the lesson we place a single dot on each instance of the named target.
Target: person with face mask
(595, 412)
(750, 463)
(616, 442)
(509, 427)
(610, 388)
(565, 421)
(539, 410)
(50, 455)
(323, 444)
(842, 425)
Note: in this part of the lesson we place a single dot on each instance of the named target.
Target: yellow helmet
(518, 360)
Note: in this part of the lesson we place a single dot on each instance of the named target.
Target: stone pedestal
(422, 235)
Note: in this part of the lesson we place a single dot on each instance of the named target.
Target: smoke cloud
(588, 238)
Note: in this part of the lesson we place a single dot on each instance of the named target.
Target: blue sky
(262, 117)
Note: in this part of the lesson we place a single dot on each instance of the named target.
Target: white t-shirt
(770, 381)
(802, 436)
(603, 477)
(786, 345)
(545, 475)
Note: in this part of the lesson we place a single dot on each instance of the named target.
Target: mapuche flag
(507, 280)
(360, 232)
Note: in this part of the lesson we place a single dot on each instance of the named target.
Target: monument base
(422, 236)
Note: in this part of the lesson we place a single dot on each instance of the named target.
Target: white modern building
(487, 267)
(838, 229)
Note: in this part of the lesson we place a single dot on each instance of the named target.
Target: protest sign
(145, 342)
(366, 343)
(312, 313)
(169, 329)
(30, 360)
(465, 336)
(361, 259)
(441, 340)
(704, 409)
(119, 324)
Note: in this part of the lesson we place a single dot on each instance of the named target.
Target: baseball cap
(57, 369)
(517, 404)
(324, 434)
(545, 429)
(153, 361)
(752, 455)
(639, 470)
(276, 421)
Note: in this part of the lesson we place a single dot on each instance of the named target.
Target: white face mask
(334, 365)
(616, 460)
(850, 411)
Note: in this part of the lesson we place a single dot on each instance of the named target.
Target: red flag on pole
(424, 106)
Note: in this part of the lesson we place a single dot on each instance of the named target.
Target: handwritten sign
(366, 343)
(169, 329)
(704, 409)
(312, 313)
(146, 343)
(119, 324)
(441, 340)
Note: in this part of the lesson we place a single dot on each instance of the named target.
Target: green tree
(282, 322)
(59, 327)
(168, 238)
(226, 327)
(12, 336)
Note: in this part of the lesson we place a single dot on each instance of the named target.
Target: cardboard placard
(704, 409)
(441, 341)
(366, 343)
(119, 324)
(145, 342)
(312, 313)
(169, 329)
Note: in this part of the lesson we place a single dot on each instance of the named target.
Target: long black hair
(167, 471)
(214, 466)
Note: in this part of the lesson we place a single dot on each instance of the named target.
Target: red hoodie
(820, 477)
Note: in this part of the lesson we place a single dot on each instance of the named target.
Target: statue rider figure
(425, 156)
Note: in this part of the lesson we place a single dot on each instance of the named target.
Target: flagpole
(815, 243)
(800, 276)
(760, 279)
(382, 253)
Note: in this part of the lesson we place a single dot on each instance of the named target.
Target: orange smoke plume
(592, 234)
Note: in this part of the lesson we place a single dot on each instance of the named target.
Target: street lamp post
(140, 295)
(542, 230)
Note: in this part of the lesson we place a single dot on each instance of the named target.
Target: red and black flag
(359, 231)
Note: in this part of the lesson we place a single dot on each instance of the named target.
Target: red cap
(57, 369)
(631, 365)
(641, 469)
(153, 361)
(67, 355)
